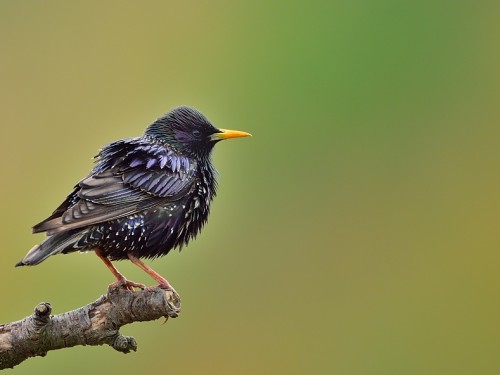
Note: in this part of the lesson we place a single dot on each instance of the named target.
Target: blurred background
(355, 233)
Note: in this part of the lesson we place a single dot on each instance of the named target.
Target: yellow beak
(225, 134)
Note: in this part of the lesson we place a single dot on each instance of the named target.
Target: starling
(144, 196)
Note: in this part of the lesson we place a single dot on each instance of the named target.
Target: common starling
(144, 196)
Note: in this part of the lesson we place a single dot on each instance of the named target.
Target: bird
(144, 197)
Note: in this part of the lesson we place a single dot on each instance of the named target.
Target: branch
(95, 324)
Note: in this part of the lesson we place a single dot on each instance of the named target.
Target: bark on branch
(95, 324)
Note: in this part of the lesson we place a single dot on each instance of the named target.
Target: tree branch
(95, 324)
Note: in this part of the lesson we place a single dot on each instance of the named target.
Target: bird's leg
(164, 284)
(120, 279)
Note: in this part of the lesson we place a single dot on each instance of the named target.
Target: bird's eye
(197, 133)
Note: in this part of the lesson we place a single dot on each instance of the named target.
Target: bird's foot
(166, 286)
(127, 284)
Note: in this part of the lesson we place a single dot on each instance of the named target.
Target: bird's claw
(127, 284)
(166, 287)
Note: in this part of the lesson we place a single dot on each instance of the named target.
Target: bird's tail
(55, 244)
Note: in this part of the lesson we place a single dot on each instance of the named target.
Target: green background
(355, 233)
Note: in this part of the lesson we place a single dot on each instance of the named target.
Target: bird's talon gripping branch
(166, 287)
(127, 284)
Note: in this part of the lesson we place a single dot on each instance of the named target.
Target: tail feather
(52, 245)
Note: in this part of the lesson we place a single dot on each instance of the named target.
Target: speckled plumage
(144, 197)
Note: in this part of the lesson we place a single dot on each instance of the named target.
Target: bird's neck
(208, 175)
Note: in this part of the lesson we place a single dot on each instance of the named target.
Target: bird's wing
(113, 191)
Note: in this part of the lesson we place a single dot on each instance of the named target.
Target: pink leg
(164, 284)
(120, 279)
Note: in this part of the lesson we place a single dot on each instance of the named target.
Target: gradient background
(355, 233)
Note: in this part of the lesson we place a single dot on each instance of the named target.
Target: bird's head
(188, 131)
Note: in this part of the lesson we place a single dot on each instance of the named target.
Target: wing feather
(123, 183)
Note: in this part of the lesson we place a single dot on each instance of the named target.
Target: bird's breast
(173, 225)
(155, 231)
